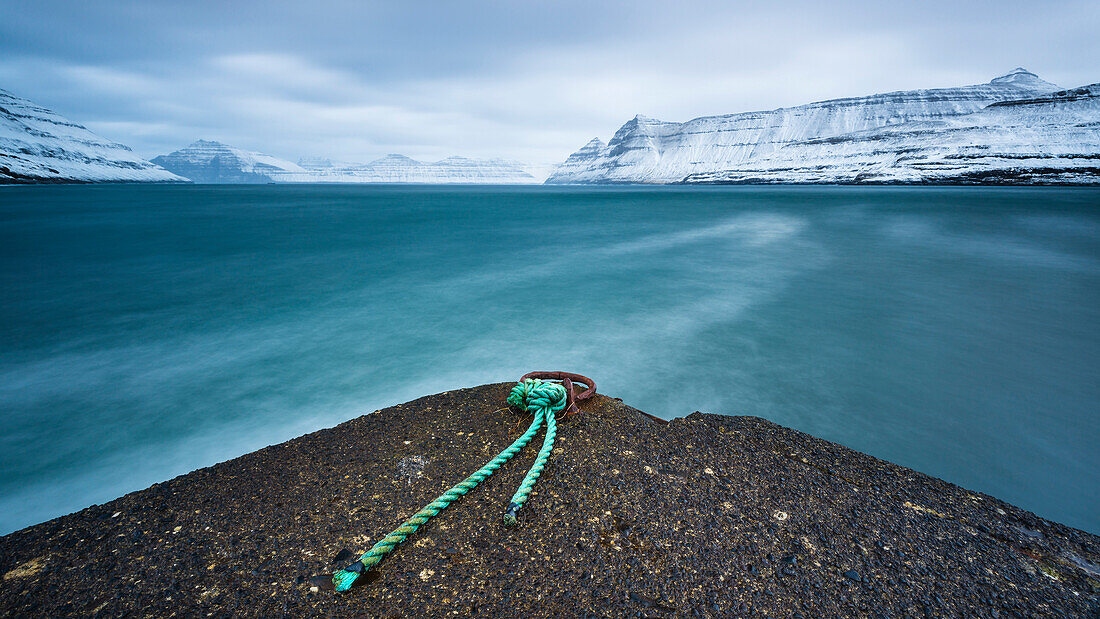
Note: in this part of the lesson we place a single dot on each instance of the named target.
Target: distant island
(1015, 129)
(213, 162)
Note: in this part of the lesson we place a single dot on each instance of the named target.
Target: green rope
(534, 396)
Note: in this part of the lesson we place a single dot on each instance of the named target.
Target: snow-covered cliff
(578, 165)
(206, 161)
(1052, 138)
(213, 162)
(651, 151)
(402, 169)
(38, 145)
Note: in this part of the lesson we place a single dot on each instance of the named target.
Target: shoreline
(676, 184)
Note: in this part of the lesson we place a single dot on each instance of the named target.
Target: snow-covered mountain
(38, 145)
(212, 162)
(206, 161)
(645, 150)
(1051, 138)
(583, 165)
(402, 169)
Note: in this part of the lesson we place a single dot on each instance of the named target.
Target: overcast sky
(525, 79)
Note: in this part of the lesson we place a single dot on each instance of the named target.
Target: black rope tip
(356, 567)
(510, 515)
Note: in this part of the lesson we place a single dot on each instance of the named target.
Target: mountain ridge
(646, 150)
(39, 145)
(1049, 139)
(1016, 128)
(208, 161)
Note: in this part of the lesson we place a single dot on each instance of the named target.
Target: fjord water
(149, 330)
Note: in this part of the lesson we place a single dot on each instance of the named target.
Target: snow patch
(40, 145)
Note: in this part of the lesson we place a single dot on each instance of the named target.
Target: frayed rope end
(344, 578)
(510, 515)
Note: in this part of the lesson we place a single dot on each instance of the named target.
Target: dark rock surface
(707, 514)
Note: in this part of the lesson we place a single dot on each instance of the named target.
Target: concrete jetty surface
(704, 515)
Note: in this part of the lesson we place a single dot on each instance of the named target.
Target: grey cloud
(524, 80)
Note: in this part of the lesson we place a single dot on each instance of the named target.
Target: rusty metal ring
(567, 379)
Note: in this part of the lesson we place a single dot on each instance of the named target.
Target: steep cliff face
(1047, 139)
(39, 145)
(650, 151)
(576, 164)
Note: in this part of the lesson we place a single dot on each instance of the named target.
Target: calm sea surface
(149, 330)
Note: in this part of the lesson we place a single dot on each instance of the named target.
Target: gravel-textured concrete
(706, 515)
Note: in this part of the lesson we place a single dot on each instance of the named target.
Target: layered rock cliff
(207, 161)
(720, 148)
(38, 145)
(1047, 139)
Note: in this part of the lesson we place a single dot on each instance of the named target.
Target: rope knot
(535, 395)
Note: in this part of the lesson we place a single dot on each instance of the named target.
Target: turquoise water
(149, 330)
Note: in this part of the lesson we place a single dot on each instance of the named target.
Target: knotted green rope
(542, 398)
